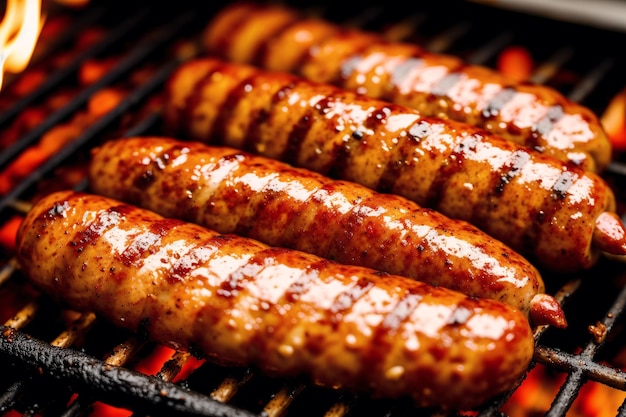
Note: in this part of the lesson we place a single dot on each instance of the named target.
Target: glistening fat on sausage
(232, 191)
(286, 312)
(277, 37)
(555, 214)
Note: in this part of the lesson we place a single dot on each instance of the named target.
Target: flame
(73, 3)
(19, 30)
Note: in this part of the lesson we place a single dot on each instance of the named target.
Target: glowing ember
(19, 30)
(516, 62)
(614, 121)
(535, 395)
(73, 3)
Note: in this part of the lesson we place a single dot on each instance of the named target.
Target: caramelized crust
(288, 313)
(438, 85)
(537, 205)
(231, 191)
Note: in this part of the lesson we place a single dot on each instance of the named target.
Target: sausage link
(559, 216)
(288, 313)
(437, 85)
(232, 191)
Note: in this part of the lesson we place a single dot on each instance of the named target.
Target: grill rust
(86, 363)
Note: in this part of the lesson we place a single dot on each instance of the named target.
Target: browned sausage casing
(555, 214)
(232, 191)
(278, 38)
(287, 312)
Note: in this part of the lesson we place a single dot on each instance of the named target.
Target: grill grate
(42, 346)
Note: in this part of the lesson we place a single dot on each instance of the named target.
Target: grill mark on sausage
(195, 97)
(157, 164)
(104, 220)
(299, 131)
(349, 64)
(224, 43)
(392, 321)
(563, 183)
(401, 312)
(235, 95)
(394, 166)
(306, 52)
(344, 301)
(260, 55)
(267, 192)
(444, 85)
(511, 169)
(550, 207)
(236, 281)
(305, 281)
(460, 315)
(492, 110)
(146, 242)
(57, 210)
(401, 72)
(375, 118)
(544, 126)
(200, 251)
(296, 137)
(453, 164)
(254, 135)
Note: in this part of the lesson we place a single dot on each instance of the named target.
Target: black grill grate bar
(590, 81)
(582, 367)
(80, 327)
(54, 80)
(58, 77)
(120, 355)
(137, 96)
(584, 361)
(446, 39)
(490, 49)
(115, 385)
(550, 67)
(567, 394)
(562, 296)
(137, 56)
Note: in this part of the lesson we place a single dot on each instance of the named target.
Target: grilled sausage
(232, 191)
(557, 215)
(278, 38)
(287, 312)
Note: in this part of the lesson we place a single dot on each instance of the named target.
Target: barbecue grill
(58, 362)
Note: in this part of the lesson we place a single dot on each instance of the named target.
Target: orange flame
(19, 30)
(73, 3)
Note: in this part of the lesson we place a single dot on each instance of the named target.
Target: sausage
(437, 85)
(289, 313)
(232, 191)
(558, 216)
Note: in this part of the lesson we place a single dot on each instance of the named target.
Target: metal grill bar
(117, 385)
(91, 134)
(57, 78)
(137, 56)
(109, 381)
